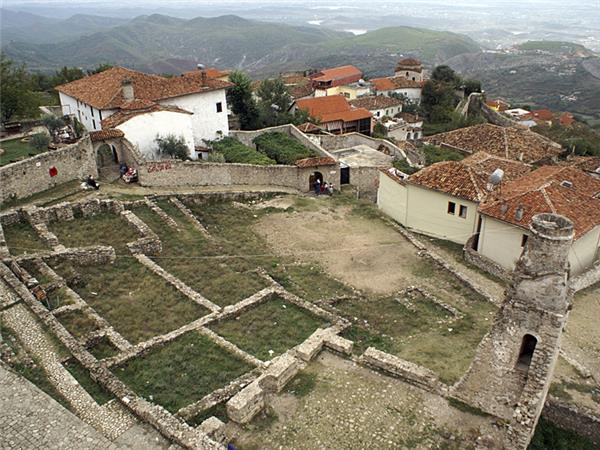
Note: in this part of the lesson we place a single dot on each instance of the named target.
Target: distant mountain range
(159, 43)
(558, 75)
(553, 74)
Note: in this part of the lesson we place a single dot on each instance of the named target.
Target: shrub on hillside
(235, 152)
(282, 148)
(435, 154)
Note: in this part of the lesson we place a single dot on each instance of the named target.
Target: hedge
(236, 152)
(282, 148)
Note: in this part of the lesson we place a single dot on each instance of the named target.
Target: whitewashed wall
(206, 121)
(89, 116)
(142, 130)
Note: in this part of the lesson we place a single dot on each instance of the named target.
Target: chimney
(519, 213)
(202, 70)
(127, 90)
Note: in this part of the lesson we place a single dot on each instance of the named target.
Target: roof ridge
(547, 198)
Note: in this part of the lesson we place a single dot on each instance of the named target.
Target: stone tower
(511, 372)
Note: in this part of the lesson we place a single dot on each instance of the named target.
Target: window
(524, 240)
(463, 211)
(94, 124)
(100, 114)
(92, 111)
(219, 107)
(526, 352)
(451, 208)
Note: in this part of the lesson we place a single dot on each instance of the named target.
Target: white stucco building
(192, 106)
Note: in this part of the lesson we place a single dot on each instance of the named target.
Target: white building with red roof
(192, 106)
(335, 114)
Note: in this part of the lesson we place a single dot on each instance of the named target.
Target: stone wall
(246, 137)
(191, 173)
(338, 142)
(30, 176)
(484, 263)
(366, 181)
(572, 418)
(586, 279)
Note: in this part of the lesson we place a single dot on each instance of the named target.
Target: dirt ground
(353, 407)
(355, 250)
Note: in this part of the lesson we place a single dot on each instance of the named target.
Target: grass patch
(44, 198)
(22, 239)
(103, 349)
(308, 281)
(57, 298)
(101, 229)
(235, 152)
(282, 148)
(464, 407)
(274, 325)
(364, 338)
(182, 371)
(550, 437)
(223, 281)
(560, 390)
(82, 376)
(219, 411)
(16, 150)
(136, 302)
(435, 154)
(78, 323)
(302, 384)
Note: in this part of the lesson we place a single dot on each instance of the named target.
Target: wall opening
(313, 179)
(526, 352)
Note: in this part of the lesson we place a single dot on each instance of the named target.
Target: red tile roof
(308, 127)
(508, 142)
(468, 178)
(314, 162)
(542, 114)
(373, 102)
(409, 62)
(393, 83)
(338, 73)
(558, 189)
(102, 135)
(332, 108)
(211, 72)
(586, 163)
(124, 115)
(566, 119)
(104, 90)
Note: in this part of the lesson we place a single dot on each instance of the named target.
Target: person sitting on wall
(92, 183)
(130, 176)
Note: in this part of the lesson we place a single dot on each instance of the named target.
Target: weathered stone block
(277, 375)
(311, 346)
(338, 344)
(211, 426)
(246, 404)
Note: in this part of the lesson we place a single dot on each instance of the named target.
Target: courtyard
(239, 281)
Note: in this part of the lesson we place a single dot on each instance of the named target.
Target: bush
(235, 152)
(40, 141)
(216, 157)
(282, 148)
(172, 146)
(53, 123)
(403, 166)
(435, 154)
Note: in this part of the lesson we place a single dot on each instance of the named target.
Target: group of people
(323, 188)
(128, 174)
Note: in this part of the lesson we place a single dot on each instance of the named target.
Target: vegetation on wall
(435, 154)
(241, 101)
(282, 148)
(235, 152)
(579, 138)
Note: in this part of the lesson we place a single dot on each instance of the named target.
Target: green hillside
(161, 43)
(553, 47)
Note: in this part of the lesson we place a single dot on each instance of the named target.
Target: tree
(99, 68)
(18, 98)
(66, 75)
(53, 124)
(241, 100)
(172, 146)
(379, 131)
(40, 141)
(472, 86)
(444, 74)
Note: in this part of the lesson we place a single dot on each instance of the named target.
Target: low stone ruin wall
(572, 418)
(587, 278)
(30, 176)
(405, 370)
(484, 263)
(191, 173)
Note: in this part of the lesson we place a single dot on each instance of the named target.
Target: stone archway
(107, 161)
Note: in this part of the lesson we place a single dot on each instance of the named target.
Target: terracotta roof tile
(542, 114)
(332, 108)
(124, 115)
(468, 178)
(409, 62)
(314, 162)
(374, 102)
(102, 135)
(544, 191)
(392, 83)
(104, 90)
(510, 142)
(586, 163)
(337, 73)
